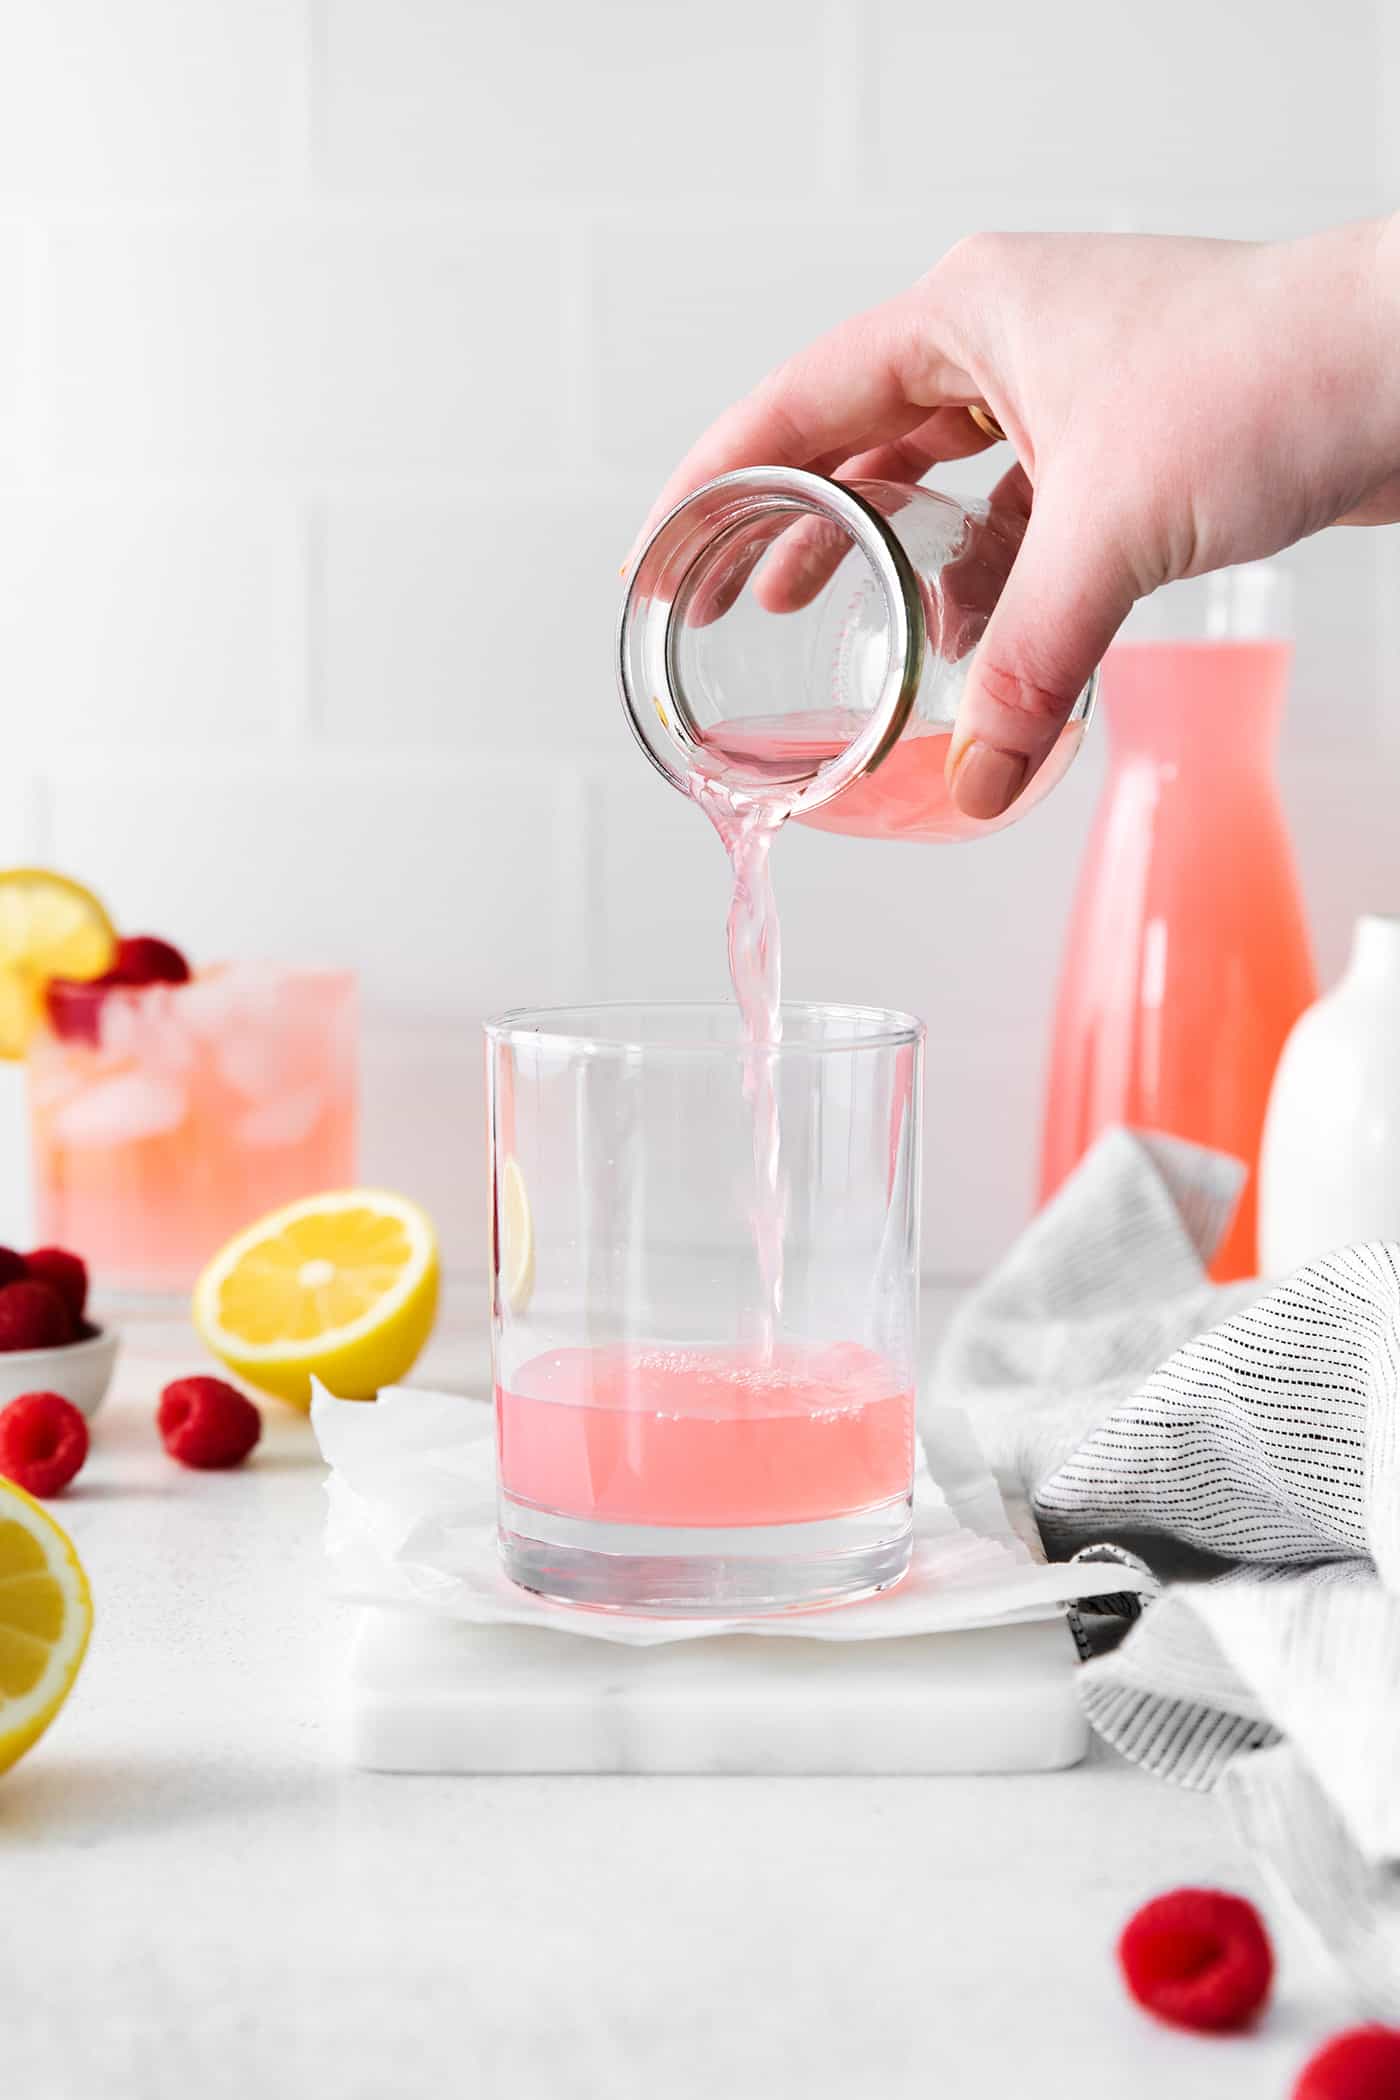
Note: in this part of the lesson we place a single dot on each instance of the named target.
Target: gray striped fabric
(1245, 1443)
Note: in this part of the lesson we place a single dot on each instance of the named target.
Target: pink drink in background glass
(1188, 959)
(706, 1436)
(199, 1107)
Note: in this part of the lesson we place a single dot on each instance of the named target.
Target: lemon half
(45, 1620)
(341, 1286)
(50, 926)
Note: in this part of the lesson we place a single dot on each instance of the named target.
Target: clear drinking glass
(665, 1444)
(171, 1115)
(780, 630)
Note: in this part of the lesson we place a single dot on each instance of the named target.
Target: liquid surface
(905, 797)
(1188, 958)
(706, 1436)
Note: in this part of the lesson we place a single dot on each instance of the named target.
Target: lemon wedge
(45, 1620)
(342, 1287)
(50, 926)
(517, 1239)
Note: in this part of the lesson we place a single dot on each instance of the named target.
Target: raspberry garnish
(63, 1272)
(1362, 2064)
(33, 1316)
(1198, 1958)
(208, 1423)
(142, 959)
(43, 1442)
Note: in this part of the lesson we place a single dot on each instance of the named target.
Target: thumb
(1064, 601)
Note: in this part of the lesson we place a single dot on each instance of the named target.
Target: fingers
(809, 553)
(870, 381)
(1064, 601)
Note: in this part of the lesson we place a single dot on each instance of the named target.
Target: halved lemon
(45, 1620)
(342, 1287)
(517, 1239)
(50, 926)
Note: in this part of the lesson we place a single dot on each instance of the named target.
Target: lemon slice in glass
(517, 1239)
(342, 1287)
(45, 1620)
(50, 926)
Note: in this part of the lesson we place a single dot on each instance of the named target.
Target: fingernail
(986, 781)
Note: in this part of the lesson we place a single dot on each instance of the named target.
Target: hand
(1177, 406)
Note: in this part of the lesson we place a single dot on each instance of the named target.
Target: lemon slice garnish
(50, 926)
(517, 1239)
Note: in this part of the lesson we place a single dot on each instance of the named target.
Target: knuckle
(1036, 700)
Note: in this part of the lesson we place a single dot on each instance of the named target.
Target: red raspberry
(33, 1316)
(75, 1007)
(1198, 1958)
(63, 1272)
(1363, 2064)
(142, 959)
(207, 1423)
(11, 1266)
(43, 1442)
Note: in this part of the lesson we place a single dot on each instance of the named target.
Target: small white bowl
(80, 1371)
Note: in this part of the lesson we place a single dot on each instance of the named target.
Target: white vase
(1329, 1170)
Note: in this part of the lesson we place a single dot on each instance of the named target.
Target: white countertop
(198, 1902)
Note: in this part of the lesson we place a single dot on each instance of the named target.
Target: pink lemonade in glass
(195, 1108)
(905, 797)
(706, 1436)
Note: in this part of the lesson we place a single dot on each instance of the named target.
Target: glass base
(709, 1572)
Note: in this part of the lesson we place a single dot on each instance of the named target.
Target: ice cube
(120, 1110)
(287, 1119)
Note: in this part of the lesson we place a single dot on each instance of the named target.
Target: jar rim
(721, 504)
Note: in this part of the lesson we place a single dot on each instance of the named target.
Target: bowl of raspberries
(46, 1338)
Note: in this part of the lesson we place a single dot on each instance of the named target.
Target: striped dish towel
(1245, 1443)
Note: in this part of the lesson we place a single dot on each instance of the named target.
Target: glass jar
(808, 640)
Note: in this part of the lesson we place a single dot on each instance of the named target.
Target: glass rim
(892, 1029)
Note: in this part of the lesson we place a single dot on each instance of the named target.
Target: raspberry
(1363, 2064)
(1198, 1958)
(43, 1442)
(142, 959)
(207, 1423)
(63, 1272)
(33, 1316)
(75, 1008)
(11, 1266)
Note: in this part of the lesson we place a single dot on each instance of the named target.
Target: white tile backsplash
(131, 620)
(344, 342)
(452, 887)
(495, 100)
(302, 344)
(149, 98)
(1094, 97)
(479, 621)
(15, 321)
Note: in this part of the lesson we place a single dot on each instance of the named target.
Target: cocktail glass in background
(189, 1111)
(665, 1444)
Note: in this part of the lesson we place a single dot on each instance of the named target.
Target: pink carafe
(1188, 959)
